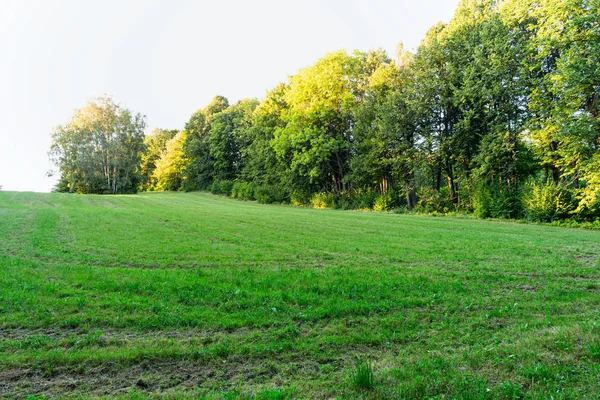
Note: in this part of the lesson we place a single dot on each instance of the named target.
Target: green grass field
(193, 295)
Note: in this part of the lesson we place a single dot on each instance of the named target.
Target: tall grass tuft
(363, 377)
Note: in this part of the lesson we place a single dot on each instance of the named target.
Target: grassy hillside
(196, 295)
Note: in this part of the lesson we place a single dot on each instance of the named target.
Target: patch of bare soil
(153, 376)
(114, 335)
(587, 256)
(527, 288)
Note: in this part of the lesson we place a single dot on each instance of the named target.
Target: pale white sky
(168, 58)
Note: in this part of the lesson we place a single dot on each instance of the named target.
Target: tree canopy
(98, 150)
(495, 113)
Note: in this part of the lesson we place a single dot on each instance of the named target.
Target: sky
(169, 58)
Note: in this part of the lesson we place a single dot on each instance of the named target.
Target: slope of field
(173, 294)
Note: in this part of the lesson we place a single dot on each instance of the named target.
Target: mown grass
(193, 295)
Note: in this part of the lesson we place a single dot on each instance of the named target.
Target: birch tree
(98, 150)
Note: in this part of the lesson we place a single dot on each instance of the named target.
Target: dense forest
(496, 113)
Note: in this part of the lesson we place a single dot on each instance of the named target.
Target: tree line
(496, 113)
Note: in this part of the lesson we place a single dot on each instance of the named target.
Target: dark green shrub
(494, 200)
(300, 198)
(362, 199)
(368, 199)
(430, 200)
(214, 187)
(466, 196)
(268, 194)
(243, 191)
(62, 186)
(222, 187)
(345, 201)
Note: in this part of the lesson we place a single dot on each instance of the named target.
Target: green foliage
(98, 150)
(589, 195)
(383, 202)
(595, 350)
(497, 200)
(223, 187)
(564, 128)
(363, 199)
(433, 201)
(155, 145)
(347, 200)
(550, 202)
(170, 167)
(503, 92)
(228, 135)
(269, 194)
(323, 200)
(200, 170)
(217, 105)
(385, 132)
(315, 140)
(300, 198)
(260, 163)
(243, 191)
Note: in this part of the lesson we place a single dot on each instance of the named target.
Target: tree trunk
(555, 175)
(411, 195)
(451, 184)
(114, 185)
(384, 185)
(438, 180)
